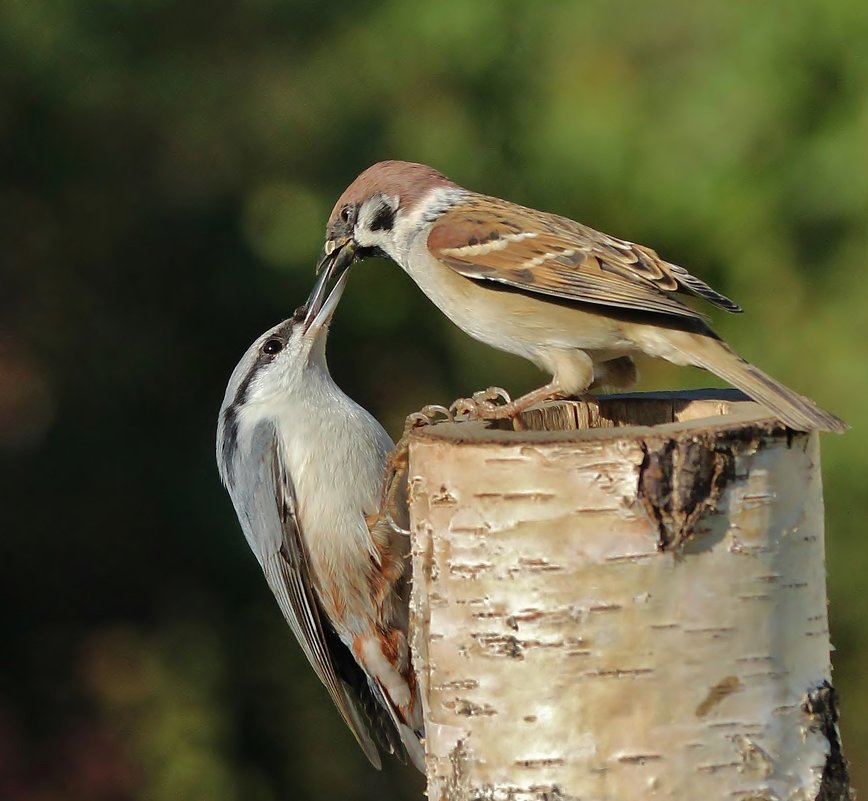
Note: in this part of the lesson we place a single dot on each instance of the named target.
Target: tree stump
(626, 600)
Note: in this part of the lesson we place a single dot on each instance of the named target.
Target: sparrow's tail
(713, 354)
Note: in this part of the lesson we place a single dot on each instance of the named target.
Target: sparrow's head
(374, 211)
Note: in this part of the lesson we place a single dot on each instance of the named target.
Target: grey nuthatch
(304, 466)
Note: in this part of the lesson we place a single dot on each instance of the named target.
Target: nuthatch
(304, 466)
(576, 302)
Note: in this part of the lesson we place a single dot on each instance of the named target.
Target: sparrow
(578, 303)
(304, 467)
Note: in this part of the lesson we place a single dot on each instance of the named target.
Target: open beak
(333, 264)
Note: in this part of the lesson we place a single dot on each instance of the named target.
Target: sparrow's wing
(492, 240)
(267, 511)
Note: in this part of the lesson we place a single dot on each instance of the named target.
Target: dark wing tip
(696, 286)
(373, 719)
(723, 302)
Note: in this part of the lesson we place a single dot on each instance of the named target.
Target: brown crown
(405, 179)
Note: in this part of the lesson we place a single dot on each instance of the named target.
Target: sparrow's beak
(337, 255)
(333, 264)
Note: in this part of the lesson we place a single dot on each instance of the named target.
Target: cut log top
(666, 414)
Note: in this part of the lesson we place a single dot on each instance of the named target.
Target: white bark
(623, 613)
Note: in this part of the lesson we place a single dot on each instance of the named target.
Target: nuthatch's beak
(334, 261)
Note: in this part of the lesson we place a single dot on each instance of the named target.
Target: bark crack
(682, 480)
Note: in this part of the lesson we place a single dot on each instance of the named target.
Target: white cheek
(417, 222)
(373, 239)
(409, 224)
(365, 232)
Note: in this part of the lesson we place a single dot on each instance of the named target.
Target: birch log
(609, 610)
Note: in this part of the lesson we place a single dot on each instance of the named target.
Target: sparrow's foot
(426, 416)
(394, 504)
(492, 395)
(482, 406)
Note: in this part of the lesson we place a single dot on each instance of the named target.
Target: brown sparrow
(576, 302)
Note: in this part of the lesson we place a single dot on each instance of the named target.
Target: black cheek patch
(384, 219)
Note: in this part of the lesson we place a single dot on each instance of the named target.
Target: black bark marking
(681, 481)
(821, 704)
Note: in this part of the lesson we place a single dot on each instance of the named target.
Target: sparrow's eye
(272, 346)
(347, 214)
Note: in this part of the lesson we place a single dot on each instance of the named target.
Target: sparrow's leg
(394, 504)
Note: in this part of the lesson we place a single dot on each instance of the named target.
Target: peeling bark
(625, 600)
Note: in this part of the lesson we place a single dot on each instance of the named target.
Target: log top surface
(604, 417)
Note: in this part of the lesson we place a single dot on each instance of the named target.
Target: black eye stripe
(384, 219)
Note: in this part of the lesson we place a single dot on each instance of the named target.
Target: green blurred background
(167, 171)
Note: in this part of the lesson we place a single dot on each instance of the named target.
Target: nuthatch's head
(304, 466)
(273, 368)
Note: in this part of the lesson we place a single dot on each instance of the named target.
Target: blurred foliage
(167, 172)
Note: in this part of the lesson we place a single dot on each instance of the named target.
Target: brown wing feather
(489, 239)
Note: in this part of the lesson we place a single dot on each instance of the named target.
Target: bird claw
(470, 409)
(426, 416)
(398, 462)
(491, 395)
(394, 525)
(481, 405)
(464, 409)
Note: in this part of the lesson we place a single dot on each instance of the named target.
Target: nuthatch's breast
(336, 462)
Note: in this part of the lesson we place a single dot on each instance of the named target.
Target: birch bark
(606, 610)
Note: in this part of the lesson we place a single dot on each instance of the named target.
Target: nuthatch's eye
(272, 346)
(347, 214)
